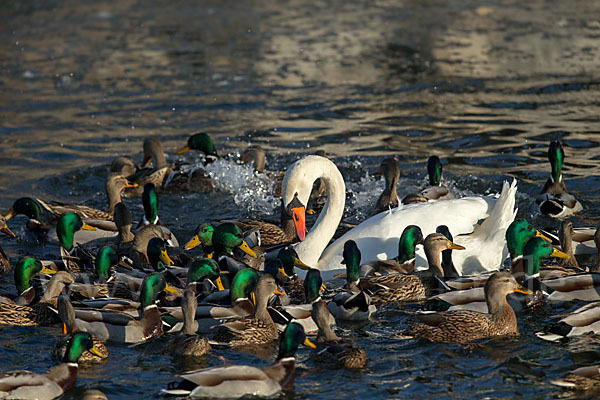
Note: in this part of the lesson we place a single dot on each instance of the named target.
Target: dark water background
(484, 85)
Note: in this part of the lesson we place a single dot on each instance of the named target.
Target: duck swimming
(555, 201)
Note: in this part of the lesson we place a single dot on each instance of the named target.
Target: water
(485, 86)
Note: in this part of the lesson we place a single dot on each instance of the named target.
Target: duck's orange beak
(299, 217)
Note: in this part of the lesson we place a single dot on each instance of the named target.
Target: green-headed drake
(203, 277)
(293, 285)
(242, 380)
(56, 381)
(68, 224)
(436, 190)
(555, 201)
(201, 142)
(404, 262)
(202, 236)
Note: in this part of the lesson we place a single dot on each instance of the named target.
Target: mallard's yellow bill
(64, 328)
(164, 257)
(540, 234)
(87, 227)
(253, 298)
(246, 249)
(521, 289)
(559, 254)
(454, 246)
(193, 242)
(298, 263)
(169, 289)
(209, 255)
(46, 270)
(279, 292)
(323, 287)
(310, 211)
(95, 352)
(219, 283)
(308, 343)
(183, 150)
(7, 231)
(281, 272)
(131, 185)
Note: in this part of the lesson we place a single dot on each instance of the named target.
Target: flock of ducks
(243, 282)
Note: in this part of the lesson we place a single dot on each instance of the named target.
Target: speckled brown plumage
(393, 287)
(466, 325)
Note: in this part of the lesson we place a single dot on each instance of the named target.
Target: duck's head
(498, 285)
(243, 284)
(390, 171)
(77, 345)
(27, 267)
(157, 254)
(25, 206)
(202, 142)
(116, 184)
(289, 259)
(4, 227)
(226, 237)
(274, 267)
(556, 156)
(204, 268)
(535, 250)
(150, 203)
(66, 227)
(351, 258)
(122, 166)
(256, 156)
(202, 236)
(434, 244)
(434, 170)
(291, 338)
(313, 284)
(152, 285)
(410, 238)
(106, 258)
(153, 150)
(518, 233)
(266, 287)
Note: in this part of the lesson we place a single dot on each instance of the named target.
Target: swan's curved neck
(298, 181)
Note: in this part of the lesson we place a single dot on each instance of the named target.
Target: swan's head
(297, 186)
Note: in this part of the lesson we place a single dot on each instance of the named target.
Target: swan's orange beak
(298, 215)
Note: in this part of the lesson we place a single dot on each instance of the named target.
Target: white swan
(377, 237)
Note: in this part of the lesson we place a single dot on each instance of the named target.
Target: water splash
(250, 189)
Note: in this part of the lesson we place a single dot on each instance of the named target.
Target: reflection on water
(484, 86)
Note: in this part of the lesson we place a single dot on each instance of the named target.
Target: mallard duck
(137, 250)
(565, 234)
(255, 155)
(202, 142)
(373, 235)
(115, 184)
(122, 328)
(435, 191)
(583, 321)
(352, 304)
(203, 277)
(202, 237)
(66, 313)
(153, 152)
(188, 343)
(293, 286)
(583, 378)
(225, 239)
(40, 312)
(389, 198)
(240, 380)
(257, 329)
(404, 262)
(27, 267)
(330, 348)
(401, 287)
(73, 257)
(52, 384)
(555, 201)
(466, 325)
